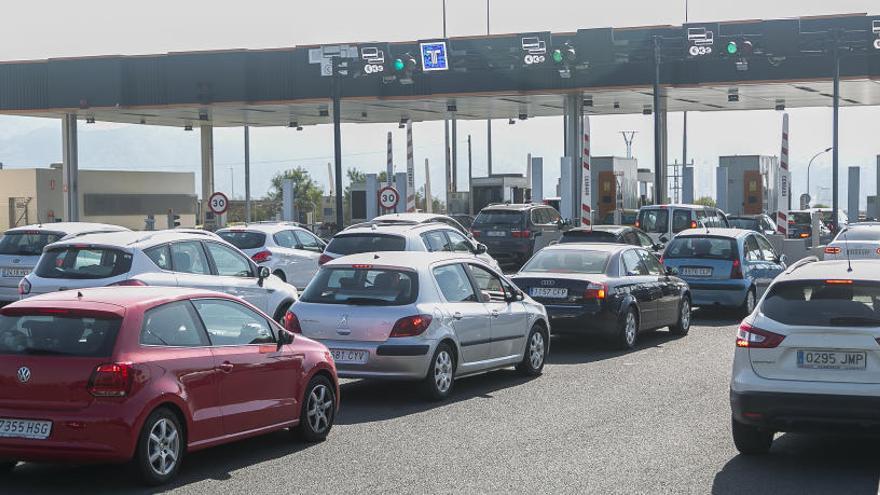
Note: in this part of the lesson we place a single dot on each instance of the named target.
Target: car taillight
(323, 259)
(475, 233)
(638, 224)
(129, 283)
(596, 291)
(111, 380)
(736, 270)
(693, 224)
(521, 234)
(804, 235)
(291, 323)
(749, 336)
(411, 326)
(832, 250)
(262, 256)
(24, 287)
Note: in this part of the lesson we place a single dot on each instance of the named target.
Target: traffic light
(404, 66)
(739, 48)
(564, 56)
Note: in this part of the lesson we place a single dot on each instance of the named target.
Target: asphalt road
(598, 421)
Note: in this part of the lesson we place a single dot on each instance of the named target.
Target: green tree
(706, 201)
(307, 195)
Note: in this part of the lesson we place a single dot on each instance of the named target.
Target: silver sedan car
(432, 317)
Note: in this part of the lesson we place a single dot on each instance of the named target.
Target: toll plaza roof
(739, 65)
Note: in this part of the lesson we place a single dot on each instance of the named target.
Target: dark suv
(513, 232)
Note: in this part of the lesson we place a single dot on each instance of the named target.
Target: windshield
(499, 217)
(743, 223)
(362, 286)
(860, 234)
(77, 262)
(717, 248)
(654, 221)
(568, 261)
(800, 218)
(58, 335)
(244, 240)
(587, 236)
(365, 243)
(832, 303)
(28, 243)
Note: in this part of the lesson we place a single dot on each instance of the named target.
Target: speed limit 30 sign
(388, 197)
(218, 203)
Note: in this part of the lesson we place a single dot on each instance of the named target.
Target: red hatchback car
(147, 374)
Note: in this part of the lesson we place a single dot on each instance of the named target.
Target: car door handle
(226, 366)
(457, 315)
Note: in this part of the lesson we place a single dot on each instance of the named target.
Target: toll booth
(646, 186)
(500, 188)
(615, 184)
(358, 203)
(748, 180)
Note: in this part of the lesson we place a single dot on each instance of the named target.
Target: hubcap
(443, 371)
(163, 447)
(630, 328)
(320, 408)
(685, 315)
(536, 350)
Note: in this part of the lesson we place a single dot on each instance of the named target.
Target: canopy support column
(70, 168)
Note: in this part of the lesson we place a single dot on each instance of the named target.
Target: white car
(404, 235)
(164, 258)
(431, 317)
(290, 252)
(21, 247)
(423, 218)
(808, 359)
(856, 241)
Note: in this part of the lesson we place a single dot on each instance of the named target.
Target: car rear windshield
(77, 262)
(587, 236)
(626, 218)
(800, 218)
(743, 223)
(362, 286)
(568, 261)
(243, 239)
(860, 234)
(54, 335)
(716, 248)
(499, 217)
(365, 243)
(27, 243)
(844, 303)
(654, 221)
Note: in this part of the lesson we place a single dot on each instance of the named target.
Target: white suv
(808, 358)
(164, 258)
(290, 252)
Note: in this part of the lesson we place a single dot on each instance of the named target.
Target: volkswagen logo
(24, 374)
(548, 282)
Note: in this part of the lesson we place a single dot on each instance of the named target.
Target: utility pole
(628, 137)
(489, 120)
(247, 174)
(336, 95)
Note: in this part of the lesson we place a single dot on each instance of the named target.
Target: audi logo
(548, 282)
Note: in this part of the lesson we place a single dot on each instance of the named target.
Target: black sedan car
(610, 290)
(620, 234)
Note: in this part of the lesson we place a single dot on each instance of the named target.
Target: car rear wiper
(854, 320)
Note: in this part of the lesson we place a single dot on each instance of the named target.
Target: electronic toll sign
(535, 49)
(701, 40)
(875, 31)
(434, 56)
(373, 60)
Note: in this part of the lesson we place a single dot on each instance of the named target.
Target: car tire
(438, 382)
(7, 466)
(748, 304)
(750, 440)
(535, 355)
(282, 310)
(628, 330)
(683, 325)
(161, 442)
(280, 274)
(318, 410)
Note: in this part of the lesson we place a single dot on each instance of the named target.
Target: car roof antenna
(846, 246)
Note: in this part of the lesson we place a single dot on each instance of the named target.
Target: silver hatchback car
(423, 316)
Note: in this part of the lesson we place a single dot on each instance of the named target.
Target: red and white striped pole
(410, 171)
(783, 183)
(389, 168)
(586, 188)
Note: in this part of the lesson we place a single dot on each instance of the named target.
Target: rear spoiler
(61, 312)
(801, 262)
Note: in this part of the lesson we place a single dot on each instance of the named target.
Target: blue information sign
(434, 56)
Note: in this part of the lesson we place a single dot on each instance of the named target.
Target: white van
(662, 222)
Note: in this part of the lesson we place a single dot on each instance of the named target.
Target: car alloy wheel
(535, 355)
(320, 408)
(163, 447)
(443, 371)
(631, 328)
(536, 350)
(749, 305)
(683, 324)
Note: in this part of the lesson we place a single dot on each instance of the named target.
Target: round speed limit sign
(388, 197)
(218, 203)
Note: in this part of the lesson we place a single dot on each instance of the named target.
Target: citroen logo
(24, 374)
(548, 282)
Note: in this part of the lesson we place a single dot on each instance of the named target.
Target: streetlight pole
(826, 150)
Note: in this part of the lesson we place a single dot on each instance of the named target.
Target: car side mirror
(284, 338)
(481, 248)
(782, 259)
(632, 273)
(262, 274)
(657, 247)
(664, 239)
(671, 271)
(515, 297)
(485, 296)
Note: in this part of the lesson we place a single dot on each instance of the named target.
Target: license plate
(349, 356)
(831, 360)
(691, 271)
(858, 252)
(25, 428)
(548, 292)
(492, 233)
(16, 272)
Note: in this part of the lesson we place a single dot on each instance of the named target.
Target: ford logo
(548, 282)
(24, 374)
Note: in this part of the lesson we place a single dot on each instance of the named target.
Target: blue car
(724, 267)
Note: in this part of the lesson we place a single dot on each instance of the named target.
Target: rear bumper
(578, 320)
(509, 252)
(9, 294)
(721, 293)
(405, 360)
(806, 412)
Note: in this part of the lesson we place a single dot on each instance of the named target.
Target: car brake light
(111, 380)
(291, 323)
(262, 256)
(410, 326)
(839, 282)
(832, 250)
(132, 282)
(596, 291)
(475, 233)
(804, 235)
(693, 224)
(638, 224)
(749, 336)
(736, 270)
(323, 259)
(521, 234)
(361, 266)
(24, 287)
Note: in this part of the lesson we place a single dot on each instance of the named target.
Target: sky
(55, 28)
